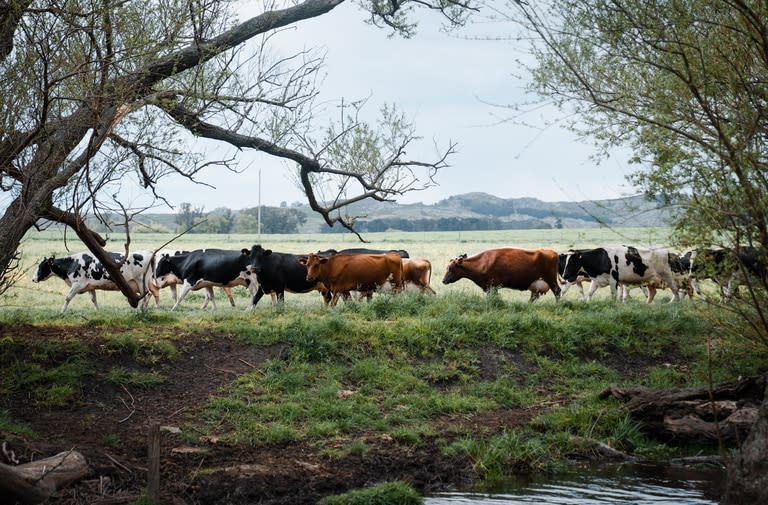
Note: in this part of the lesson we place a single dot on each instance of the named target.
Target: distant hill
(510, 213)
(479, 211)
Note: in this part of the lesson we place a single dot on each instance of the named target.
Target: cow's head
(44, 269)
(455, 270)
(315, 265)
(573, 266)
(258, 255)
(163, 271)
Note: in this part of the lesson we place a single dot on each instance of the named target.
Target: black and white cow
(612, 266)
(170, 281)
(679, 266)
(205, 269)
(728, 268)
(280, 272)
(562, 259)
(84, 273)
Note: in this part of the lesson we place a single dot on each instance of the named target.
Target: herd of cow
(336, 274)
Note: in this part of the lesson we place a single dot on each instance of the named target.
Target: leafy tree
(188, 217)
(219, 220)
(684, 84)
(98, 95)
(273, 220)
(246, 223)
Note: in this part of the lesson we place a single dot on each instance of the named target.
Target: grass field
(438, 387)
(438, 247)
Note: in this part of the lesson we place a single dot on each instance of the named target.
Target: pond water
(614, 485)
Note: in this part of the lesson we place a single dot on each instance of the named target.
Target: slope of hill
(511, 213)
(479, 211)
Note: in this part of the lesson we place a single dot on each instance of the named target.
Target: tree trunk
(727, 411)
(748, 472)
(36, 481)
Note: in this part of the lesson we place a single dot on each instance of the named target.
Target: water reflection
(616, 485)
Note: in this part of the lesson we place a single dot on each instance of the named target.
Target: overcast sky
(443, 84)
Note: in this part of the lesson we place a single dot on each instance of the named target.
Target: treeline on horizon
(291, 220)
(467, 212)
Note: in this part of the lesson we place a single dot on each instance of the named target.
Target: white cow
(622, 265)
(83, 273)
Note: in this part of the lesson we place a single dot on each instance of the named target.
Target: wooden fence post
(153, 454)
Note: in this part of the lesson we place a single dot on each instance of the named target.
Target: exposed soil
(110, 426)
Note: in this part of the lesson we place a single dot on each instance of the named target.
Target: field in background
(438, 247)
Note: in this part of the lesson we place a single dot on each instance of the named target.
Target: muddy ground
(110, 426)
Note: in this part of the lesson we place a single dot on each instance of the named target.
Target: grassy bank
(413, 369)
(457, 382)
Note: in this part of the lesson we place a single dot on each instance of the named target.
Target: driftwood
(37, 481)
(727, 411)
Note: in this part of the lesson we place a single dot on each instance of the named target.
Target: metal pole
(259, 210)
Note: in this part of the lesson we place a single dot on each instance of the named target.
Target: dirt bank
(109, 425)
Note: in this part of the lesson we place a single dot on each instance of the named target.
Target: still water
(617, 485)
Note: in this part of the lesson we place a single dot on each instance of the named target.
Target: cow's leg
(257, 297)
(228, 292)
(534, 295)
(555, 287)
(72, 293)
(185, 289)
(580, 287)
(93, 298)
(614, 285)
(335, 299)
(624, 292)
(675, 291)
(209, 297)
(174, 293)
(152, 288)
(593, 285)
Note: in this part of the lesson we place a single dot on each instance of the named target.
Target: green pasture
(438, 247)
(400, 367)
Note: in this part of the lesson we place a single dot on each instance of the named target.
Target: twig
(177, 411)
(249, 364)
(127, 417)
(129, 394)
(117, 463)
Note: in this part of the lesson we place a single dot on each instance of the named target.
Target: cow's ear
(323, 260)
(303, 260)
(245, 252)
(267, 252)
(50, 260)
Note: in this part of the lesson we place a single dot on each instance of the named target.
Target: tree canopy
(97, 92)
(683, 84)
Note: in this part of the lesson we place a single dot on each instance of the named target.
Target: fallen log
(37, 481)
(726, 411)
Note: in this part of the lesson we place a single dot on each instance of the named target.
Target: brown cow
(506, 267)
(418, 272)
(356, 272)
